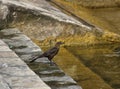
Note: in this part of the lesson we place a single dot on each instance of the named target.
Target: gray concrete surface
(4, 11)
(43, 7)
(20, 43)
(15, 74)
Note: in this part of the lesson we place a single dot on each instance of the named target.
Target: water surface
(104, 60)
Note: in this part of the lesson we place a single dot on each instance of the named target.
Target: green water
(104, 60)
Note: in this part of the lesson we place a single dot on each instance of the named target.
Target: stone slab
(2, 43)
(62, 79)
(39, 7)
(4, 48)
(16, 74)
(25, 82)
(7, 54)
(16, 71)
(19, 43)
(3, 84)
(25, 57)
(27, 50)
(12, 62)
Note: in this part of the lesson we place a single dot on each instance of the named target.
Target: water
(104, 60)
(92, 67)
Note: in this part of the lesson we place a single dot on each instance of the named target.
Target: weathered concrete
(3, 11)
(3, 15)
(39, 20)
(3, 84)
(26, 49)
(20, 43)
(39, 7)
(15, 74)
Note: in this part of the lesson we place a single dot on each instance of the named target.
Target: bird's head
(59, 43)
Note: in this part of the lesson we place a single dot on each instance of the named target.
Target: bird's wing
(51, 51)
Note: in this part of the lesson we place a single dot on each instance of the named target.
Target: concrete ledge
(3, 84)
(15, 74)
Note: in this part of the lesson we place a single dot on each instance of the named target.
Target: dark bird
(50, 53)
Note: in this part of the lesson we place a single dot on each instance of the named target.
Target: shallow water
(103, 60)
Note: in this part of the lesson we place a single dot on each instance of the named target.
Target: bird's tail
(36, 58)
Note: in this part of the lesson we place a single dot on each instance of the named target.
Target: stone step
(15, 74)
(3, 84)
(20, 43)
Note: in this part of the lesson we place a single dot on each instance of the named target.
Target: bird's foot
(53, 64)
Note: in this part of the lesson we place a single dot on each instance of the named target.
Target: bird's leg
(52, 63)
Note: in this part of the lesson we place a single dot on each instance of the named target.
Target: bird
(50, 53)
